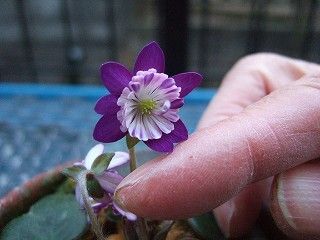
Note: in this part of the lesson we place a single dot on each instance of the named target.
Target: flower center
(146, 106)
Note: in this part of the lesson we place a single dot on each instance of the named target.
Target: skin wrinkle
(251, 159)
(257, 147)
(262, 74)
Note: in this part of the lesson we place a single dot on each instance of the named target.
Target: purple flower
(144, 103)
(108, 180)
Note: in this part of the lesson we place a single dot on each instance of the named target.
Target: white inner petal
(93, 153)
(118, 159)
(145, 105)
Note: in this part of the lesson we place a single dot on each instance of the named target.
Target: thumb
(295, 201)
(278, 132)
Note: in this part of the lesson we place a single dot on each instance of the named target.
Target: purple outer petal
(109, 180)
(107, 105)
(187, 81)
(107, 129)
(151, 56)
(165, 143)
(115, 77)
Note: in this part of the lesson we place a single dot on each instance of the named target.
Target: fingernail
(120, 199)
(297, 201)
(125, 194)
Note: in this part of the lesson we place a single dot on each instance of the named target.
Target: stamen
(146, 106)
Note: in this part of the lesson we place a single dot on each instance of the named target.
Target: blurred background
(65, 41)
(53, 50)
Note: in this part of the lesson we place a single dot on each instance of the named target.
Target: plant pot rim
(21, 198)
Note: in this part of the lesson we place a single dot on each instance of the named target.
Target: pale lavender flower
(108, 180)
(145, 103)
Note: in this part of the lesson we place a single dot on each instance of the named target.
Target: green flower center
(146, 106)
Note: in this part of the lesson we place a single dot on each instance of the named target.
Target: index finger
(276, 133)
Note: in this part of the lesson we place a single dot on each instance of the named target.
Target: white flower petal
(130, 117)
(165, 125)
(94, 152)
(137, 128)
(142, 133)
(119, 159)
(123, 128)
(123, 98)
(162, 107)
(171, 115)
(153, 131)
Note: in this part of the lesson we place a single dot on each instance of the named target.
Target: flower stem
(133, 159)
(82, 181)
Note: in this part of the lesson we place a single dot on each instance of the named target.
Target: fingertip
(121, 200)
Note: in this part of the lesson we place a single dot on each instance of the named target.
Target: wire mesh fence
(57, 41)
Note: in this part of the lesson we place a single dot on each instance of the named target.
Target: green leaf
(93, 187)
(101, 163)
(206, 226)
(131, 141)
(67, 186)
(73, 171)
(56, 216)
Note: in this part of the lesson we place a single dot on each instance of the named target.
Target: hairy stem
(133, 159)
(82, 181)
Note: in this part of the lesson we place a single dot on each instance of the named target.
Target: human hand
(265, 120)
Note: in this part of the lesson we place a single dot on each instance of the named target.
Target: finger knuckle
(257, 59)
